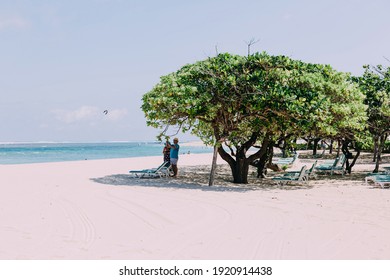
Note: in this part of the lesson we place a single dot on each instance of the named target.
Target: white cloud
(13, 22)
(84, 113)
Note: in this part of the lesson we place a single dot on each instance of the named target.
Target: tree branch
(263, 149)
(250, 43)
(225, 156)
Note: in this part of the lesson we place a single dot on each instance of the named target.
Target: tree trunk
(316, 140)
(261, 166)
(346, 153)
(262, 163)
(331, 147)
(338, 148)
(213, 165)
(380, 144)
(308, 144)
(240, 166)
(284, 148)
(376, 146)
(345, 150)
(353, 161)
(240, 171)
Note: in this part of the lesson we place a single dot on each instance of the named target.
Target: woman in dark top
(166, 153)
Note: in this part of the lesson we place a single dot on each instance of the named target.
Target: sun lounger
(309, 172)
(287, 161)
(320, 155)
(300, 176)
(161, 171)
(376, 173)
(380, 180)
(340, 166)
(337, 165)
(383, 182)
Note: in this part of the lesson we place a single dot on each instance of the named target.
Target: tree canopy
(239, 100)
(375, 83)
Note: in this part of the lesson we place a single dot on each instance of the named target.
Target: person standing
(166, 153)
(174, 154)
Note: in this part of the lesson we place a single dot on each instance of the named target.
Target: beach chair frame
(309, 172)
(381, 180)
(337, 165)
(162, 171)
(287, 161)
(297, 177)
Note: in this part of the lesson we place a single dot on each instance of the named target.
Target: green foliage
(375, 83)
(228, 93)
(238, 100)
(386, 147)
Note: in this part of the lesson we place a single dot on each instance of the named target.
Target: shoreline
(186, 143)
(66, 152)
(93, 210)
(153, 159)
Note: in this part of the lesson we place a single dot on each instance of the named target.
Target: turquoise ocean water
(18, 153)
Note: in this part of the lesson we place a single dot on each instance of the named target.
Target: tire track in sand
(152, 219)
(192, 235)
(82, 229)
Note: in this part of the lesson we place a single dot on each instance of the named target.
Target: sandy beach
(94, 210)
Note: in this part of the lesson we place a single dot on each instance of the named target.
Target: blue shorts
(174, 161)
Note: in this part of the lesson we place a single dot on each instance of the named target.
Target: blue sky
(62, 63)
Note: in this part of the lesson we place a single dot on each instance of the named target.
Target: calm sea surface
(56, 152)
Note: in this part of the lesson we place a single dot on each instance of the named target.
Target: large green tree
(240, 100)
(375, 84)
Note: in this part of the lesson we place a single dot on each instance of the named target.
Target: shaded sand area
(94, 210)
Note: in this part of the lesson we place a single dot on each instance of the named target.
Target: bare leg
(174, 167)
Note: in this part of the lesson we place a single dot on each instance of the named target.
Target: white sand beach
(94, 210)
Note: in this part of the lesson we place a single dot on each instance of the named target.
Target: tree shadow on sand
(196, 178)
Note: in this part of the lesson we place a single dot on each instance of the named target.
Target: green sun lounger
(309, 172)
(161, 171)
(337, 165)
(380, 179)
(287, 161)
(300, 176)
